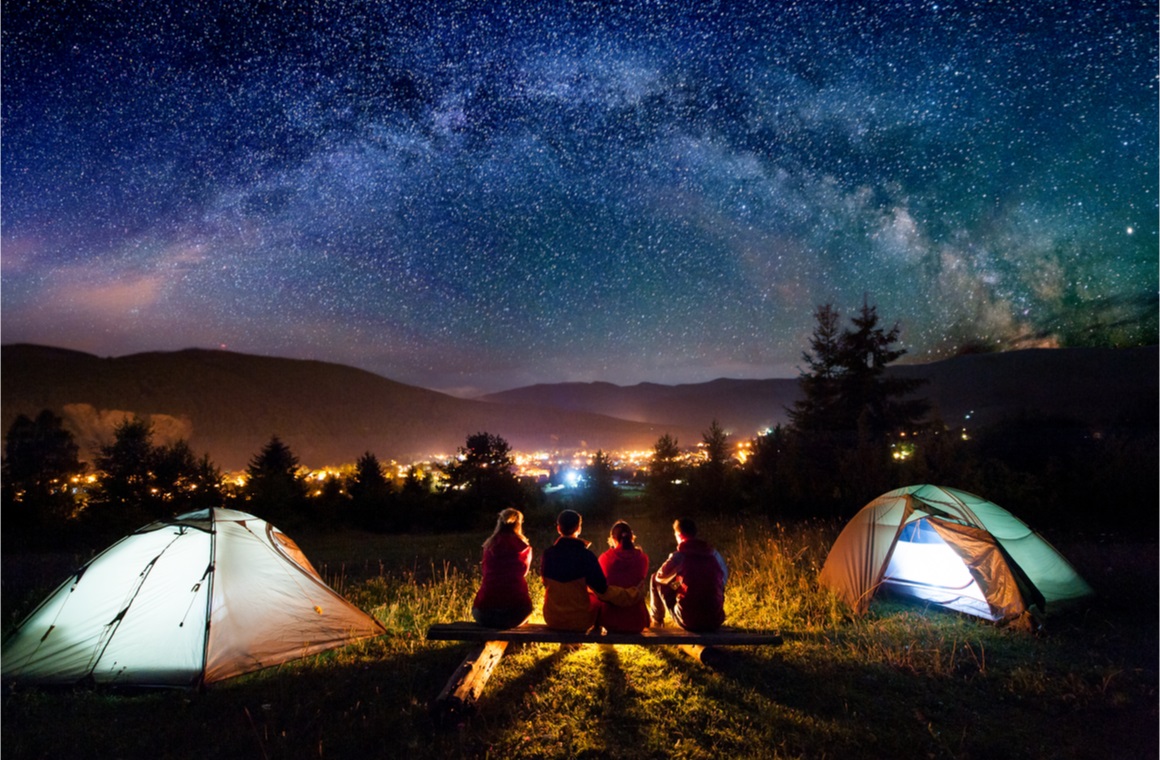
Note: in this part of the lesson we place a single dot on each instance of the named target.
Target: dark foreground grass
(903, 681)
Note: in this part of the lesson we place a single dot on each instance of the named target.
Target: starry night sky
(473, 196)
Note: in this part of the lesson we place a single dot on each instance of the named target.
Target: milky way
(485, 195)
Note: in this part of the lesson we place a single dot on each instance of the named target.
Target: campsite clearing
(904, 680)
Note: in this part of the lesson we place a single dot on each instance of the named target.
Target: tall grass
(902, 681)
(774, 573)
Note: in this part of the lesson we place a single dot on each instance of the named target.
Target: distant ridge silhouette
(229, 404)
(1099, 386)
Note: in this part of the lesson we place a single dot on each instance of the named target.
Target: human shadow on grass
(806, 713)
(513, 692)
(621, 724)
(840, 706)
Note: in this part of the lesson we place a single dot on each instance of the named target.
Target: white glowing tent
(950, 548)
(185, 602)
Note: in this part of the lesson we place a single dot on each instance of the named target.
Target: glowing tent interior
(950, 548)
(206, 596)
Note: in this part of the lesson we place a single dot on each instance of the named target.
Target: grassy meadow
(903, 681)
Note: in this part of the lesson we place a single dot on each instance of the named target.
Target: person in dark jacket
(503, 600)
(690, 585)
(574, 584)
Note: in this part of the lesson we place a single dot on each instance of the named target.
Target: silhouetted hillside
(742, 407)
(229, 404)
(1101, 387)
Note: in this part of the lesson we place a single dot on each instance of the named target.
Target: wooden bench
(466, 684)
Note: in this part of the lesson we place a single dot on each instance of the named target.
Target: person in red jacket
(625, 565)
(690, 584)
(503, 600)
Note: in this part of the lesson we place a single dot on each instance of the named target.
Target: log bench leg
(466, 684)
(712, 657)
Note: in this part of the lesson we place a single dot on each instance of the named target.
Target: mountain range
(229, 404)
(1100, 387)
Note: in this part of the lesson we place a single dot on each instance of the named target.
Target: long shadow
(513, 690)
(621, 726)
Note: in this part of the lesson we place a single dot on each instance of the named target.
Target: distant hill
(1102, 387)
(742, 407)
(229, 404)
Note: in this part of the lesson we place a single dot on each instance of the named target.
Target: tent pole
(210, 577)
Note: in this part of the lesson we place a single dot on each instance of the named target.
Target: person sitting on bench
(574, 584)
(690, 585)
(626, 565)
(503, 600)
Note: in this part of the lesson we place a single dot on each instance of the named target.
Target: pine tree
(370, 494)
(849, 412)
(712, 482)
(866, 393)
(40, 460)
(845, 384)
(181, 482)
(124, 496)
(273, 490)
(599, 494)
(482, 477)
(665, 470)
(818, 408)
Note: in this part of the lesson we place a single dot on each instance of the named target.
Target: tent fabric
(924, 566)
(984, 563)
(1012, 565)
(207, 596)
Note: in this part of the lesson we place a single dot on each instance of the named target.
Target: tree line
(855, 433)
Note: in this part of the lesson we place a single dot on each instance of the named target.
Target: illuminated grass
(903, 681)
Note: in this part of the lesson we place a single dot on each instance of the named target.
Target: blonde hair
(509, 521)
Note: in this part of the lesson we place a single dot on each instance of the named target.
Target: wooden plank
(532, 632)
(466, 684)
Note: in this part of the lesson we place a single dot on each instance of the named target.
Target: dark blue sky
(476, 195)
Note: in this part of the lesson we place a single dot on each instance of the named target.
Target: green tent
(950, 548)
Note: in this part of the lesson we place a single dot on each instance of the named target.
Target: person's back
(701, 604)
(691, 583)
(625, 565)
(569, 570)
(502, 600)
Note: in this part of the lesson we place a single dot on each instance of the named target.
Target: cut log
(466, 684)
(711, 657)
